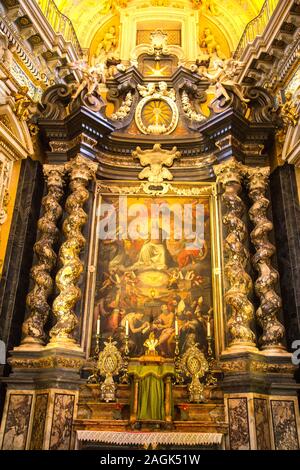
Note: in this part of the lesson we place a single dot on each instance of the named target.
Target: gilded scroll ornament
(81, 171)
(230, 175)
(24, 107)
(270, 302)
(37, 299)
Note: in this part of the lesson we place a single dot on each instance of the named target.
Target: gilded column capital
(230, 171)
(257, 177)
(54, 174)
(81, 167)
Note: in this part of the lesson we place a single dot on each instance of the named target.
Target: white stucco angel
(92, 77)
(147, 90)
(223, 74)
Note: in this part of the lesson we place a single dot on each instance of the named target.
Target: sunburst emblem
(156, 115)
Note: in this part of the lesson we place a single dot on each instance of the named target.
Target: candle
(176, 328)
(98, 325)
(208, 328)
(127, 328)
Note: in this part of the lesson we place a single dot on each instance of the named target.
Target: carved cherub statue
(147, 90)
(109, 42)
(209, 41)
(163, 90)
(289, 112)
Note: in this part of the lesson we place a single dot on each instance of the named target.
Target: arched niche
(135, 23)
(112, 23)
(220, 35)
(15, 132)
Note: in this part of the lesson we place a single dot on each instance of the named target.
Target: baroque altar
(154, 316)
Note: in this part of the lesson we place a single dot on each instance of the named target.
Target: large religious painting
(153, 271)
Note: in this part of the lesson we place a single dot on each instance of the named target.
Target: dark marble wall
(239, 434)
(15, 280)
(262, 424)
(39, 420)
(17, 422)
(286, 218)
(284, 425)
(60, 438)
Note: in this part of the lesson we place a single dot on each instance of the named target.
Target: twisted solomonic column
(230, 175)
(270, 302)
(81, 170)
(37, 299)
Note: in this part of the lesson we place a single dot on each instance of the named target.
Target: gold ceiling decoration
(88, 16)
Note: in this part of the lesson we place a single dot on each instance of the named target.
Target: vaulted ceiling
(230, 16)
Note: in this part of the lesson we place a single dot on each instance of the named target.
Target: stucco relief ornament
(155, 160)
(157, 111)
(188, 109)
(158, 44)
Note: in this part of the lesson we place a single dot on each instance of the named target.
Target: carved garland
(188, 109)
(124, 109)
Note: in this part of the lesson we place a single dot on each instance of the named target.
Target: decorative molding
(155, 160)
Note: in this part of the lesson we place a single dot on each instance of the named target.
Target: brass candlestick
(97, 347)
(210, 379)
(177, 362)
(124, 378)
(94, 377)
(126, 347)
(176, 345)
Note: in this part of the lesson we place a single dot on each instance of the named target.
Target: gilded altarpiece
(148, 279)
